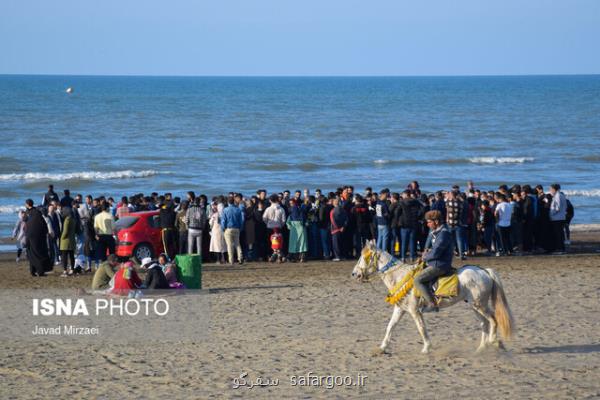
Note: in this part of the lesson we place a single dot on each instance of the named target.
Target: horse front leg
(486, 314)
(396, 315)
(418, 317)
(484, 330)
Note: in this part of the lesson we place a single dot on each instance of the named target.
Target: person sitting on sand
(155, 278)
(105, 273)
(170, 271)
(126, 280)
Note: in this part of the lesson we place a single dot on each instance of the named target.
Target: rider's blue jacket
(442, 249)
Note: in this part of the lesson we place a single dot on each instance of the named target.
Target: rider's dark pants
(422, 281)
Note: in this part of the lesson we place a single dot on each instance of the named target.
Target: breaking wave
(501, 160)
(583, 193)
(86, 175)
(10, 209)
(472, 160)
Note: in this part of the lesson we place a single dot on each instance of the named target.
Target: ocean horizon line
(532, 75)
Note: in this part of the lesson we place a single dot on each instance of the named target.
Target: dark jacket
(49, 197)
(487, 217)
(410, 214)
(155, 278)
(439, 205)
(250, 223)
(66, 201)
(528, 209)
(382, 213)
(395, 212)
(167, 218)
(442, 249)
(324, 212)
(339, 219)
(363, 218)
(517, 213)
(297, 213)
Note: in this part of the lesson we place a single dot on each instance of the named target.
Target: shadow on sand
(228, 268)
(234, 289)
(573, 348)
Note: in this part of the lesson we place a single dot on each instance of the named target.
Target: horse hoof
(425, 350)
(499, 345)
(377, 351)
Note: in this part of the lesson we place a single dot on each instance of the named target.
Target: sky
(309, 37)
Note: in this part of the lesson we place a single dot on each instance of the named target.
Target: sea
(117, 136)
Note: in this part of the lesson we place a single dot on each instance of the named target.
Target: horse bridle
(373, 259)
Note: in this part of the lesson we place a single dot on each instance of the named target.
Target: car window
(125, 222)
(154, 221)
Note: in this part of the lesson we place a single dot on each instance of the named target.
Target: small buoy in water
(69, 90)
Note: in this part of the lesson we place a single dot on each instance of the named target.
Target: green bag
(190, 270)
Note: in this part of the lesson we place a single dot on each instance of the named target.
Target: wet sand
(279, 321)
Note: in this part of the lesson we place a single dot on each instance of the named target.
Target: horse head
(367, 263)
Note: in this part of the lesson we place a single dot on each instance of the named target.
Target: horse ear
(371, 243)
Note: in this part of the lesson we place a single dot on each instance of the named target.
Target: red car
(139, 235)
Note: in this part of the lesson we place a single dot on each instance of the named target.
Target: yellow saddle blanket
(447, 286)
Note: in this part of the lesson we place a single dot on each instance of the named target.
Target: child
(126, 280)
(19, 234)
(170, 271)
(276, 245)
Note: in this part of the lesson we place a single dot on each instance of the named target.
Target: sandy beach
(286, 321)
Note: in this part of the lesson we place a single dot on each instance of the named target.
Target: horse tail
(502, 313)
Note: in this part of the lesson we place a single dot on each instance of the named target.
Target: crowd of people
(79, 232)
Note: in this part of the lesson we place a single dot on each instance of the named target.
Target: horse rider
(438, 259)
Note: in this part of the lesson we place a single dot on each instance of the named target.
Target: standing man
(529, 214)
(50, 196)
(195, 219)
(104, 226)
(382, 219)
(395, 212)
(454, 210)
(558, 216)
(411, 213)
(503, 215)
(67, 200)
(339, 221)
(167, 218)
(231, 224)
(182, 229)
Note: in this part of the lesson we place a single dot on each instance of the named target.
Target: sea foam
(501, 160)
(85, 175)
(583, 193)
(10, 209)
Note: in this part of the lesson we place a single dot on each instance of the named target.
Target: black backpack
(570, 211)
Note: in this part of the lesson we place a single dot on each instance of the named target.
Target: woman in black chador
(37, 245)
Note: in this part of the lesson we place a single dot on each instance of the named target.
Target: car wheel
(142, 251)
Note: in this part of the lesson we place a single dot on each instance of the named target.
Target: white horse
(476, 286)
